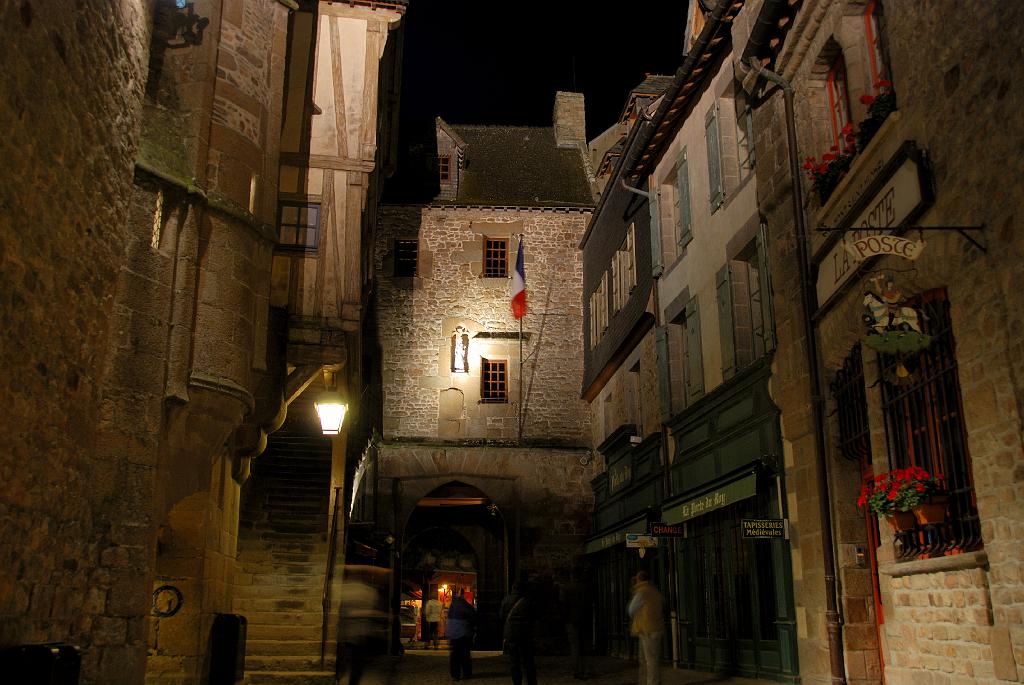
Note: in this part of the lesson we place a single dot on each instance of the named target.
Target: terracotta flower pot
(932, 511)
(900, 521)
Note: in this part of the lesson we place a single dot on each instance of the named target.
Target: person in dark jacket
(517, 613)
(459, 630)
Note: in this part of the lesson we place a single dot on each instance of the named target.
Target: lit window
(838, 100)
(493, 380)
(298, 226)
(444, 167)
(495, 257)
(406, 253)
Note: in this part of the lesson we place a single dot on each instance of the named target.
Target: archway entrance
(456, 540)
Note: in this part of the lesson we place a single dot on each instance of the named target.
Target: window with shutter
(683, 215)
(713, 140)
(838, 100)
(744, 309)
(654, 206)
(694, 362)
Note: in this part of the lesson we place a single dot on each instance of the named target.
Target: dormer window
(444, 167)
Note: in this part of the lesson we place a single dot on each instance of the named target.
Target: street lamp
(331, 410)
(330, 407)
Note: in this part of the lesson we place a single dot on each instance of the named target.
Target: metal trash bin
(227, 649)
(51, 663)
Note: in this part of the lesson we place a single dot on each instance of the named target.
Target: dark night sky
(501, 62)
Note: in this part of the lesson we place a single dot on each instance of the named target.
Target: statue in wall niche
(460, 350)
(894, 328)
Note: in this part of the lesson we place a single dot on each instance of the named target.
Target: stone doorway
(456, 538)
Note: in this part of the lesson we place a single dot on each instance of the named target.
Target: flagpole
(521, 363)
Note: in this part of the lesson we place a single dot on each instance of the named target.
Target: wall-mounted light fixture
(330, 407)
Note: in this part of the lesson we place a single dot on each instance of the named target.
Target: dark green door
(730, 594)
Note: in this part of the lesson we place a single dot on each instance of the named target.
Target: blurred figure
(647, 622)
(362, 622)
(459, 629)
(576, 599)
(432, 614)
(517, 612)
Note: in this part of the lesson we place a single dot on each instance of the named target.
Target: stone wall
(72, 88)
(418, 316)
(953, 88)
(542, 493)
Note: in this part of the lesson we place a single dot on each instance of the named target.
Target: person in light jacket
(459, 629)
(647, 622)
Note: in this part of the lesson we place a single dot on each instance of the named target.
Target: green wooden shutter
(654, 207)
(713, 139)
(723, 290)
(684, 218)
(764, 274)
(694, 358)
(664, 374)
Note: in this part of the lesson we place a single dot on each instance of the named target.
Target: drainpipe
(807, 291)
(672, 590)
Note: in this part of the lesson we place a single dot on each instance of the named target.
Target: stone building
(903, 115)
(709, 351)
(146, 365)
(484, 462)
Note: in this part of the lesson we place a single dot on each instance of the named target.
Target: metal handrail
(328, 576)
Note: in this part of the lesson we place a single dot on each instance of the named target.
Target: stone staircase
(282, 559)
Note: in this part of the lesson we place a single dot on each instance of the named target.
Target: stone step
(275, 592)
(285, 618)
(260, 631)
(280, 579)
(270, 566)
(273, 647)
(283, 662)
(245, 605)
(246, 555)
(291, 677)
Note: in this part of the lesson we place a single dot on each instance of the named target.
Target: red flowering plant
(880, 106)
(826, 174)
(898, 490)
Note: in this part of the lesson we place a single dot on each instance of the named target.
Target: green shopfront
(735, 603)
(626, 496)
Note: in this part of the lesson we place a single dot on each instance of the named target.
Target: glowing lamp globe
(331, 411)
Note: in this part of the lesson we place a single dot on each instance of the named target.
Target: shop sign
(716, 499)
(641, 541)
(616, 537)
(667, 530)
(766, 528)
(876, 246)
(619, 476)
(896, 201)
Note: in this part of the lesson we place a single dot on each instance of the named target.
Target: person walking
(517, 614)
(362, 623)
(432, 615)
(647, 622)
(459, 629)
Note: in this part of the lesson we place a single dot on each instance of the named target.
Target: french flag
(518, 290)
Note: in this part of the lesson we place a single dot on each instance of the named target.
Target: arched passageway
(456, 539)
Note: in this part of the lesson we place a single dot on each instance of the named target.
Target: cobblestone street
(430, 667)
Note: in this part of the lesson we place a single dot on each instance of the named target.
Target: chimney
(570, 120)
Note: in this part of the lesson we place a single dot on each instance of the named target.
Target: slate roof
(520, 166)
(652, 86)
